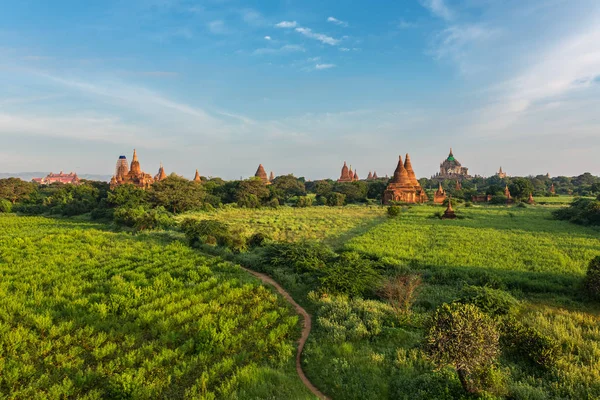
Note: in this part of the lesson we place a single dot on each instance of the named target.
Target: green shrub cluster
(493, 302)
(582, 211)
(592, 279)
(394, 211)
(528, 343)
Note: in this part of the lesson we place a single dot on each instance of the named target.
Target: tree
(592, 279)
(520, 188)
(287, 186)
(15, 189)
(462, 336)
(322, 188)
(375, 189)
(354, 191)
(177, 194)
(400, 292)
(127, 196)
(251, 193)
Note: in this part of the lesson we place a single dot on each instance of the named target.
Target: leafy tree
(350, 274)
(400, 292)
(15, 189)
(177, 194)
(520, 188)
(462, 336)
(127, 196)
(287, 186)
(251, 193)
(322, 188)
(354, 191)
(335, 199)
(375, 189)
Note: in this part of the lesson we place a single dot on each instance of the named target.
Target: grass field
(88, 313)
(335, 225)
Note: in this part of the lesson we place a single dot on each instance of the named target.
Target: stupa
(440, 195)
(197, 178)
(260, 173)
(133, 176)
(346, 175)
(161, 175)
(402, 188)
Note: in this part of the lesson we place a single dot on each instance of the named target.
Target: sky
(300, 86)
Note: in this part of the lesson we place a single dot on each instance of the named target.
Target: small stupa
(161, 175)
(271, 176)
(197, 178)
(440, 195)
(449, 213)
(530, 200)
(370, 176)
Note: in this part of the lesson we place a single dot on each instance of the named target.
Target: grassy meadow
(357, 352)
(91, 314)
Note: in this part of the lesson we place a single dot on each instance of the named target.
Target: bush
(335, 199)
(592, 279)
(256, 240)
(494, 302)
(528, 343)
(5, 206)
(581, 211)
(400, 292)
(302, 257)
(206, 232)
(304, 201)
(141, 218)
(350, 274)
(274, 203)
(350, 319)
(393, 211)
(462, 336)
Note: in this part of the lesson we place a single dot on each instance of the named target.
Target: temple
(501, 174)
(552, 189)
(197, 178)
(132, 176)
(458, 185)
(347, 174)
(530, 200)
(161, 175)
(449, 213)
(370, 176)
(262, 174)
(451, 168)
(271, 176)
(70, 178)
(440, 195)
(404, 186)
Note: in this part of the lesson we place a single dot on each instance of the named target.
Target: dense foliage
(581, 211)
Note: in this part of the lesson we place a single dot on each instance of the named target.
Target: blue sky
(300, 86)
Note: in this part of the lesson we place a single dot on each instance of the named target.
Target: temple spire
(197, 177)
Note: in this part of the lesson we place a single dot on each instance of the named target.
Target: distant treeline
(132, 206)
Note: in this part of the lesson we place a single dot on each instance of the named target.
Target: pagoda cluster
(126, 174)
(404, 186)
(262, 175)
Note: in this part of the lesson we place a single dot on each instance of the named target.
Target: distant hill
(28, 176)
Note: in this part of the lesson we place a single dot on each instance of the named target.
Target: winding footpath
(307, 325)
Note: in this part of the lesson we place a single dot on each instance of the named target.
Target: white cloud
(218, 27)
(438, 8)
(344, 49)
(286, 24)
(267, 37)
(318, 36)
(324, 66)
(288, 48)
(337, 21)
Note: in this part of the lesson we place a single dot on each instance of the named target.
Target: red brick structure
(440, 195)
(347, 175)
(404, 186)
(70, 179)
(161, 175)
(449, 213)
(262, 174)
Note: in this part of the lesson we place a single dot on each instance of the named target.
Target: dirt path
(305, 329)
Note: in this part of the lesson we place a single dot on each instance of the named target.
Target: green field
(333, 224)
(88, 313)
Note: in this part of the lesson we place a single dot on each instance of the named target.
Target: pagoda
(530, 200)
(133, 176)
(451, 168)
(449, 213)
(161, 175)
(375, 175)
(552, 189)
(440, 195)
(370, 176)
(271, 176)
(347, 175)
(355, 177)
(260, 173)
(197, 178)
(404, 186)
(501, 174)
(458, 185)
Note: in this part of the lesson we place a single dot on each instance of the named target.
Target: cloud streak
(318, 36)
(337, 21)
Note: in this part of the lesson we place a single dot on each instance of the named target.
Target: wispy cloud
(318, 36)
(218, 27)
(268, 37)
(324, 66)
(286, 24)
(337, 21)
(288, 48)
(438, 8)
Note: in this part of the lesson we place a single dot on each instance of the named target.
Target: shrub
(304, 201)
(400, 292)
(302, 257)
(274, 203)
(592, 279)
(335, 199)
(494, 302)
(142, 218)
(529, 343)
(206, 231)
(462, 336)
(350, 319)
(350, 274)
(393, 211)
(5, 206)
(128, 216)
(256, 240)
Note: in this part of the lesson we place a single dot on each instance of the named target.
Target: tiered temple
(440, 195)
(161, 175)
(262, 174)
(347, 174)
(404, 186)
(501, 174)
(451, 168)
(133, 176)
